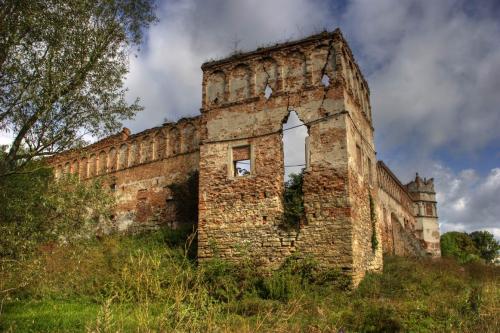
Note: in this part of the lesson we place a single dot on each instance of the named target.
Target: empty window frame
(242, 162)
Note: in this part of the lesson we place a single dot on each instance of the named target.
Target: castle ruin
(355, 208)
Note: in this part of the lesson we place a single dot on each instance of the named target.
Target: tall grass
(150, 283)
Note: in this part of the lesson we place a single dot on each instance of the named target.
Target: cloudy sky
(433, 68)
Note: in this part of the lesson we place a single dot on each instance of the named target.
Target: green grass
(150, 283)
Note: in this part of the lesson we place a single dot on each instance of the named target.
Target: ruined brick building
(356, 209)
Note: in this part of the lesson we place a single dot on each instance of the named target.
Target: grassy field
(149, 283)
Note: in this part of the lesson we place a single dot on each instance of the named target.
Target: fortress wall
(350, 200)
(247, 212)
(139, 168)
(399, 226)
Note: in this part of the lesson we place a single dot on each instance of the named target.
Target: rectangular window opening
(242, 164)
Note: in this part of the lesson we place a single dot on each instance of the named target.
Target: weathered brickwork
(355, 208)
(408, 213)
(139, 168)
(239, 211)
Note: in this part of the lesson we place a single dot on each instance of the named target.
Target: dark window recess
(113, 187)
(242, 164)
(428, 208)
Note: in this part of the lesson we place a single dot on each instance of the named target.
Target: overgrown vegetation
(144, 283)
(373, 219)
(62, 68)
(36, 210)
(478, 245)
(293, 200)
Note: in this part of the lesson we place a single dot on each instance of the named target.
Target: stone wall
(246, 212)
(139, 168)
(400, 234)
(351, 202)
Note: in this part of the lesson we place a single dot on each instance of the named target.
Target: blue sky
(433, 68)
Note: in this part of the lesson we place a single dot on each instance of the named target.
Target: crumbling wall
(139, 169)
(354, 208)
(399, 228)
(245, 213)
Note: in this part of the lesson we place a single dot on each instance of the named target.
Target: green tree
(459, 246)
(486, 243)
(62, 67)
(37, 209)
(293, 199)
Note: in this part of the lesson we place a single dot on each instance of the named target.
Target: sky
(433, 68)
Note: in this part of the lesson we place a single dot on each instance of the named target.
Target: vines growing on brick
(373, 219)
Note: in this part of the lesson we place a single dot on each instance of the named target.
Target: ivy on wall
(373, 218)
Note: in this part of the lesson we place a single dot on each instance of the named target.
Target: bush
(293, 200)
(146, 283)
(460, 246)
(37, 209)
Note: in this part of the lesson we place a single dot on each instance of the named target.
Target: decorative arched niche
(239, 85)
(146, 152)
(173, 141)
(75, 167)
(295, 71)
(84, 168)
(323, 64)
(67, 168)
(58, 171)
(267, 76)
(132, 154)
(112, 159)
(188, 138)
(123, 156)
(92, 166)
(216, 88)
(103, 162)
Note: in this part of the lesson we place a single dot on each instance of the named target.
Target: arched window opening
(295, 145)
(295, 152)
(268, 91)
(325, 80)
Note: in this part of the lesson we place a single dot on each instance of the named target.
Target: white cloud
(467, 201)
(432, 72)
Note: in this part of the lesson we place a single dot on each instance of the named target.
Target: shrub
(459, 246)
(293, 200)
(486, 244)
(36, 208)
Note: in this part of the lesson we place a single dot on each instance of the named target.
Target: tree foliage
(293, 199)
(469, 247)
(37, 209)
(62, 66)
(486, 244)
